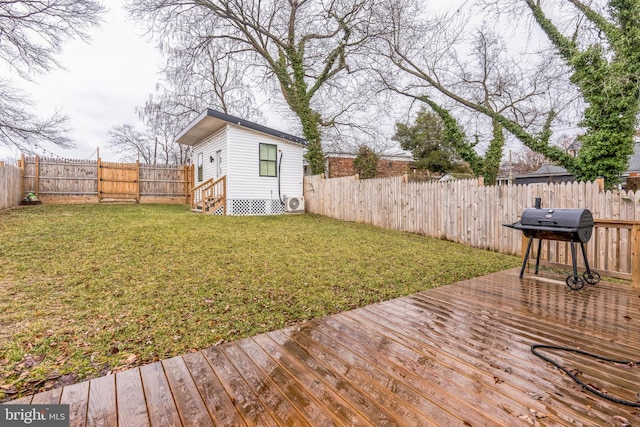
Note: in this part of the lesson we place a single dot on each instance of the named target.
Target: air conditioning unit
(294, 204)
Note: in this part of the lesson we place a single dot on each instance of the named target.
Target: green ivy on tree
(608, 76)
(487, 166)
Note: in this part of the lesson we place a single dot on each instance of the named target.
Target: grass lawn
(92, 289)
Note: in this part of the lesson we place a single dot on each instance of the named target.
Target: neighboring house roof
(546, 170)
(209, 121)
(402, 157)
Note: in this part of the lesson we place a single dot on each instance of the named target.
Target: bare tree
(32, 33)
(155, 143)
(164, 120)
(303, 45)
(132, 144)
(217, 74)
(21, 129)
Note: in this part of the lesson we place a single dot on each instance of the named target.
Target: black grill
(570, 225)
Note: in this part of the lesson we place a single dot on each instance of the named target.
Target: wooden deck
(456, 355)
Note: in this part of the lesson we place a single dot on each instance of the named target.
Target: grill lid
(573, 219)
(556, 224)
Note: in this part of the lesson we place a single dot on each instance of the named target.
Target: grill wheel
(575, 282)
(591, 277)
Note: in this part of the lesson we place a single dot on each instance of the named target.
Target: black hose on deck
(585, 386)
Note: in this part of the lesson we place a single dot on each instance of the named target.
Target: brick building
(341, 164)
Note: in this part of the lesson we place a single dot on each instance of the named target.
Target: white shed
(243, 168)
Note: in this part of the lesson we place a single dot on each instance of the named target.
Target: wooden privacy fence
(472, 214)
(95, 181)
(9, 186)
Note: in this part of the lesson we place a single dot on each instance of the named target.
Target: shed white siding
(244, 180)
(208, 147)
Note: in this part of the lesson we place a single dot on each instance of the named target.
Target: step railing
(210, 196)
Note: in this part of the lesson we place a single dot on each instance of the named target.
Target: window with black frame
(268, 160)
(200, 167)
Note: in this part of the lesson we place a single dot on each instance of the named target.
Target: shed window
(200, 166)
(268, 159)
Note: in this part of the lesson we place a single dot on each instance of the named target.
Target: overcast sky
(102, 83)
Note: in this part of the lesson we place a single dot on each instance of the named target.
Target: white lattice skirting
(254, 207)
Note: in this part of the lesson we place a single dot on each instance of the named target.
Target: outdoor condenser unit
(294, 204)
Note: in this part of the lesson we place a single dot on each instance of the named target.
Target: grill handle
(543, 222)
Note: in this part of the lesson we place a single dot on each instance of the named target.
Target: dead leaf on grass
(31, 361)
(66, 380)
(8, 388)
(131, 359)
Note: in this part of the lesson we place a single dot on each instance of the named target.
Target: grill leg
(526, 256)
(584, 255)
(538, 257)
(573, 259)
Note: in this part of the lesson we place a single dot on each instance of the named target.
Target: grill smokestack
(538, 203)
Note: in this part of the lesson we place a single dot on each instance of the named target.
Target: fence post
(600, 182)
(37, 178)
(99, 175)
(187, 190)
(635, 256)
(22, 166)
(138, 181)
(481, 181)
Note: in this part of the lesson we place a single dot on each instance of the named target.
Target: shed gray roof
(209, 121)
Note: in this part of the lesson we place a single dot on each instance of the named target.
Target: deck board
(161, 406)
(77, 397)
(102, 410)
(191, 407)
(455, 355)
(132, 408)
(218, 402)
